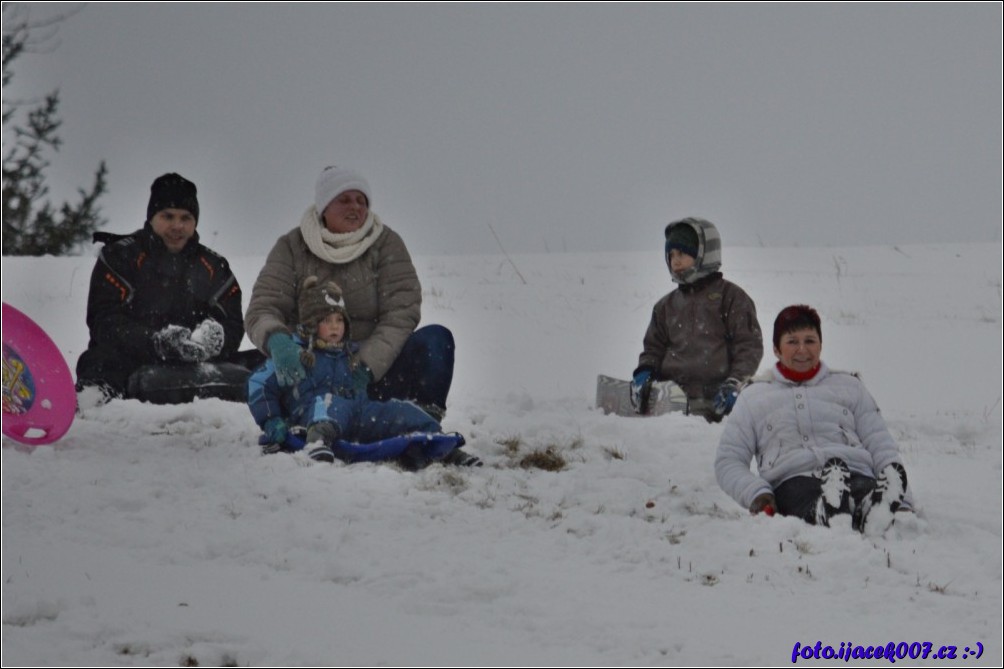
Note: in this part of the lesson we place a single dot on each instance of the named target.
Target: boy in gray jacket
(704, 336)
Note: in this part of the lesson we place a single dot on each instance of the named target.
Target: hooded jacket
(381, 290)
(706, 331)
(792, 429)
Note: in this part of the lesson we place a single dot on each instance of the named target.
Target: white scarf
(338, 248)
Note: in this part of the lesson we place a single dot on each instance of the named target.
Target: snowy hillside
(153, 535)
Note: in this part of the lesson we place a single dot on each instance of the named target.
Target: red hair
(796, 317)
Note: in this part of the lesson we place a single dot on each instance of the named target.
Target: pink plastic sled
(39, 400)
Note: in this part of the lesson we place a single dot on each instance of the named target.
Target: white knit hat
(333, 181)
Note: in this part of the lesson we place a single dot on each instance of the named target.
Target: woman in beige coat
(340, 239)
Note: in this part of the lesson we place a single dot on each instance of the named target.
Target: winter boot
(268, 447)
(834, 490)
(413, 458)
(877, 511)
(320, 437)
(434, 410)
(461, 458)
(92, 396)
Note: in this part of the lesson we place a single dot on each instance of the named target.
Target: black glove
(210, 336)
(174, 342)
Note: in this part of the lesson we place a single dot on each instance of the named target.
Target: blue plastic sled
(431, 446)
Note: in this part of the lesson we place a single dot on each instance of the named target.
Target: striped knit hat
(708, 252)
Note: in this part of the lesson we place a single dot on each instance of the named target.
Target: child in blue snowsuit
(331, 401)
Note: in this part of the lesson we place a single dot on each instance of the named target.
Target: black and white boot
(320, 437)
(461, 458)
(92, 396)
(878, 510)
(835, 481)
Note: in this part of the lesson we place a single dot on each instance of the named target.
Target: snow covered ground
(158, 535)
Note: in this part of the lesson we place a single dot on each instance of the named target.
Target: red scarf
(797, 377)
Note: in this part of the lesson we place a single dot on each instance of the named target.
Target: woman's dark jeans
(423, 370)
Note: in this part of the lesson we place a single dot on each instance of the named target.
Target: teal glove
(275, 430)
(286, 357)
(362, 377)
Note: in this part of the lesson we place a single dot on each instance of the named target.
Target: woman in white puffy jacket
(820, 444)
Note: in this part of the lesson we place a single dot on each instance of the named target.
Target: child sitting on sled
(331, 402)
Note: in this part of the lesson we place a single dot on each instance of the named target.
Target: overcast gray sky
(579, 127)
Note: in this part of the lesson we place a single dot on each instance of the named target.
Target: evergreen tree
(32, 225)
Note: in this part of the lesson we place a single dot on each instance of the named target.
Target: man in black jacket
(164, 311)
